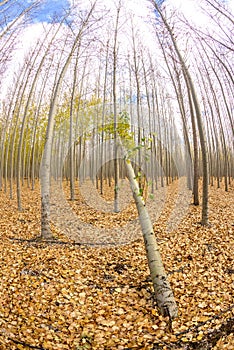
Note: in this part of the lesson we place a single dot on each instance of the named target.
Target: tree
(13, 19)
(163, 293)
(116, 161)
(46, 160)
(196, 106)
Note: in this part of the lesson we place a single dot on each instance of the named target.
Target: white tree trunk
(46, 159)
(163, 293)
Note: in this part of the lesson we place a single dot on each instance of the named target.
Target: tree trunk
(46, 160)
(189, 81)
(163, 293)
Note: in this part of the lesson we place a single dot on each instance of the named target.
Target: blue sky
(47, 11)
(52, 9)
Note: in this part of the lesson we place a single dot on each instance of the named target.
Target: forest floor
(61, 295)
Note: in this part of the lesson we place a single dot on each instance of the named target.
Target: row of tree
(93, 99)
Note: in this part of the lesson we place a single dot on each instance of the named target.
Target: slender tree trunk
(188, 78)
(116, 160)
(195, 152)
(46, 160)
(163, 293)
(71, 136)
(24, 121)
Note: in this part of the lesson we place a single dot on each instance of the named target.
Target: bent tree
(163, 293)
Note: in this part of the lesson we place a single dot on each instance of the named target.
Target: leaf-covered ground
(66, 296)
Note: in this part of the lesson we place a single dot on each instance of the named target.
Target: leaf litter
(66, 296)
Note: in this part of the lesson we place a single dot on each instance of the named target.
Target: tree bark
(188, 79)
(46, 159)
(163, 293)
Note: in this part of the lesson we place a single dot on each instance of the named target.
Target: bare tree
(196, 105)
(45, 166)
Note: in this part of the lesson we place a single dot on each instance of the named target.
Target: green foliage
(151, 196)
(140, 194)
(138, 176)
(122, 129)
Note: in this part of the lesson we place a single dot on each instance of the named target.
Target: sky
(46, 12)
(52, 11)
